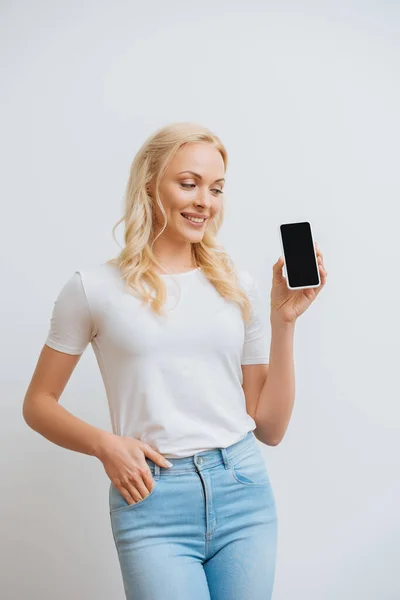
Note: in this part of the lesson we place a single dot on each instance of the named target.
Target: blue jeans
(206, 531)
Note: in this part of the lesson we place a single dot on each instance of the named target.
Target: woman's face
(183, 192)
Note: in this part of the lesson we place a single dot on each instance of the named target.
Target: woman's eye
(186, 185)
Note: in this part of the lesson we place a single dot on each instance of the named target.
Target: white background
(306, 98)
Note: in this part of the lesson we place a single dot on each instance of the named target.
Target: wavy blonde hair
(136, 261)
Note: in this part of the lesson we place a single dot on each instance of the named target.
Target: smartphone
(299, 255)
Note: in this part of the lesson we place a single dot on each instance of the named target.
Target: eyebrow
(199, 176)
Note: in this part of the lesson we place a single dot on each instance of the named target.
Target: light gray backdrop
(306, 98)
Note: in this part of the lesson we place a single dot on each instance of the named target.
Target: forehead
(203, 158)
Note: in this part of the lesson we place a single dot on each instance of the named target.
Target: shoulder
(97, 270)
(97, 275)
(92, 284)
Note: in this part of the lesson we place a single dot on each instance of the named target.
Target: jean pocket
(249, 469)
(117, 502)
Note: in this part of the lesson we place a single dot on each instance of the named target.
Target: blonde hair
(136, 261)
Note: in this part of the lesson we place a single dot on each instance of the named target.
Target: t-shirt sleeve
(256, 345)
(71, 325)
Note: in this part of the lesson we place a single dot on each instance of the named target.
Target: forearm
(46, 416)
(275, 404)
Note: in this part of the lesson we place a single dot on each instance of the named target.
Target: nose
(203, 199)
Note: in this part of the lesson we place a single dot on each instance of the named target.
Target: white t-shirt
(174, 382)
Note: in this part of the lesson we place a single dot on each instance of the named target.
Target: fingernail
(169, 464)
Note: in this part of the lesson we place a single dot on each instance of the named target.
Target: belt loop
(225, 457)
(156, 471)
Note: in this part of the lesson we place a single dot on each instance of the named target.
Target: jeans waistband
(205, 459)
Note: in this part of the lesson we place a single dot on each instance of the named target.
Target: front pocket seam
(250, 484)
(235, 468)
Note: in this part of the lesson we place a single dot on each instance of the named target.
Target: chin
(195, 236)
(194, 232)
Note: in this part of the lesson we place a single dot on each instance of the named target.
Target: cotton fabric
(174, 382)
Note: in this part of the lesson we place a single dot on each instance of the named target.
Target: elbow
(274, 442)
(265, 439)
(26, 413)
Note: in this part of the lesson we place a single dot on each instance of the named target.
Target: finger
(279, 263)
(317, 250)
(135, 492)
(148, 479)
(154, 455)
(126, 494)
(140, 490)
(137, 497)
(323, 272)
(143, 480)
(323, 275)
(322, 266)
(321, 262)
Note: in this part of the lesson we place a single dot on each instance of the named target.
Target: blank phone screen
(298, 245)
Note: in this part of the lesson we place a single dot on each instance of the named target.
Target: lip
(195, 215)
(198, 225)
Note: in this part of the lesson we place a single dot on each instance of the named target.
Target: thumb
(277, 270)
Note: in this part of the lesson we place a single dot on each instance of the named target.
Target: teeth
(194, 219)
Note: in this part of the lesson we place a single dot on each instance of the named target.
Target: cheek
(172, 208)
(176, 200)
(217, 207)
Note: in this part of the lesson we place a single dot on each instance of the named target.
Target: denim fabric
(207, 530)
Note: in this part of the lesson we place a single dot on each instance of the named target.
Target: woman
(189, 376)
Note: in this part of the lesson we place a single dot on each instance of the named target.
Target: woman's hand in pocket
(124, 461)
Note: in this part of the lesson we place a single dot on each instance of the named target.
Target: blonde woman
(190, 377)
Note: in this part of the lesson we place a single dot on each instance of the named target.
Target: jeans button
(199, 460)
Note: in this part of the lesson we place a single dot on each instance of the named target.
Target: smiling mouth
(198, 223)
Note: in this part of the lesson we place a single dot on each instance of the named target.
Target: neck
(175, 258)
